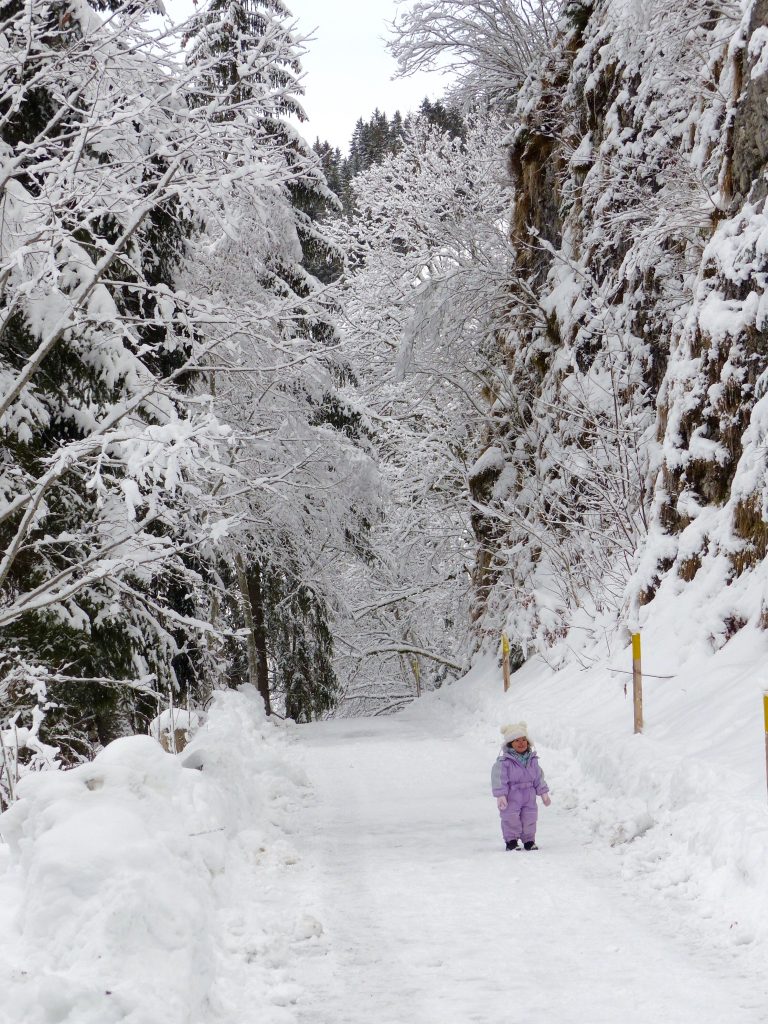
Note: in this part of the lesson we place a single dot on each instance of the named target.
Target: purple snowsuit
(520, 783)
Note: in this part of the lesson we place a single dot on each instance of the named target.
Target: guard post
(637, 683)
(505, 659)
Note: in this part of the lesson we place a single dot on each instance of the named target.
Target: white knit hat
(515, 731)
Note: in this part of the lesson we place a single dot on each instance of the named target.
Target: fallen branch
(646, 675)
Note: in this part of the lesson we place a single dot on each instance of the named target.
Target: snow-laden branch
(421, 652)
(490, 45)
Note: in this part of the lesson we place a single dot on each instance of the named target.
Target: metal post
(505, 659)
(637, 683)
(172, 734)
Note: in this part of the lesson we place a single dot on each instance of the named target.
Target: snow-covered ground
(353, 871)
(140, 890)
(428, 919)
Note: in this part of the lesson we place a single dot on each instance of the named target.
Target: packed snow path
(427, 920)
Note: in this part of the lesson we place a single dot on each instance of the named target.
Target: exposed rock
(750, 125)
(638, 345)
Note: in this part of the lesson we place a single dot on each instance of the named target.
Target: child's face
(520, 745)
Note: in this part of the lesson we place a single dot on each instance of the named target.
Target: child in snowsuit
(516, 781)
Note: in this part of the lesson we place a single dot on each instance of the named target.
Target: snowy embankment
(121, 884)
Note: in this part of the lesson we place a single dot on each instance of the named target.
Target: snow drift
(123, 873)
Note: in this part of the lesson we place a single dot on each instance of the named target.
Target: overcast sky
(348, 70)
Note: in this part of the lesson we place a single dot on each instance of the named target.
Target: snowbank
(122, 877)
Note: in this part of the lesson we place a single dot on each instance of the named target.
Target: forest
(330, 423)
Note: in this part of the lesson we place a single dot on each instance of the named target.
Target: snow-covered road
(427, 920)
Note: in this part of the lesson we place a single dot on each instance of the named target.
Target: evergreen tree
(396, 133)
(374, 140)
(331, 161)
(125, 179)
(301, 646)
(447, 119)
(229, 43)
(71, 363)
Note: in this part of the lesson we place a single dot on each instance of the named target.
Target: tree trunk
(259, 634)
(253, 613)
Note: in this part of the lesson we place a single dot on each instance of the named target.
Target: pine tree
(447, 119)
(396, 133)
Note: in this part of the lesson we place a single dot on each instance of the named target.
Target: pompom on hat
(515, 732)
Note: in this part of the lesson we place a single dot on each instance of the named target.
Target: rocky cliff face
(633, 431)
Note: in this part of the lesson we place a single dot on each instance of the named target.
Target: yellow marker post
(637, 683)
(505, 659)
(765, 722)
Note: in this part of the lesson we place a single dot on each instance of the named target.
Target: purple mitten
(501, 803)
(546, 799)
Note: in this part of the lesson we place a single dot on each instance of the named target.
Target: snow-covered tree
(428, 255)
(96, 355)
(489, 45)
(277, 388)
(122, 189)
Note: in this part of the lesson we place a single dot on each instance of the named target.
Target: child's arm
(542, 789)
(499, 781)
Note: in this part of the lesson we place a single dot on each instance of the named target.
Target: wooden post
(505, 659)
(765, 722)
(637, 683)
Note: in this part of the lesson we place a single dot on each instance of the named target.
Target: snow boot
(512, 845)
(530, 845)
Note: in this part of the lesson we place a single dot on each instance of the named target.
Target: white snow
(353, 871)
(126, 886)
(174, 720)
(491, 461)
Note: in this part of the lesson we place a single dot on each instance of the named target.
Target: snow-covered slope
(428, 918)
(683, 806)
